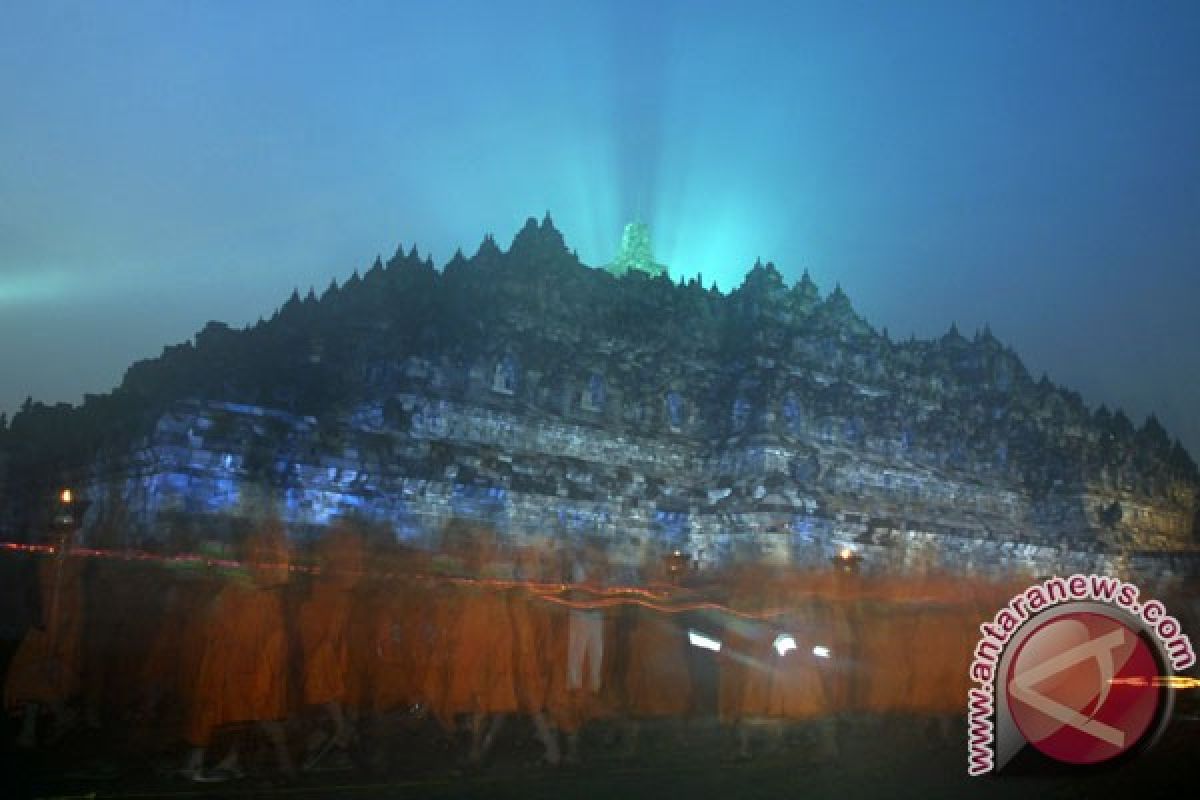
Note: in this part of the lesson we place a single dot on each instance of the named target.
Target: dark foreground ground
(894, 759)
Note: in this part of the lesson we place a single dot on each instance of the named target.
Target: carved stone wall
(529, 477)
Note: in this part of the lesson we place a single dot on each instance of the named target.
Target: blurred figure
(825, 645)
(735, 659)
(886, 624)
(835, 650)
(169, 673)
(540, 647)
(324, 622)
(478, 677)
(946, 631)
(393, 639)
(657, 681)
(585, 630)
(773, 680)
(243, 670)
(45, 672)
(586, 634)
(119, 632)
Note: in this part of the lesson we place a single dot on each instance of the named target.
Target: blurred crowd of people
(324, 655)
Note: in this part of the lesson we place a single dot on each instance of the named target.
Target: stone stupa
(637, 252)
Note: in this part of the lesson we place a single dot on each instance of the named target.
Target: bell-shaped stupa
(637, 252)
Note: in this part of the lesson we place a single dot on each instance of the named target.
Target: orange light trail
(1159, 681)
(656, 595)
(677, 608)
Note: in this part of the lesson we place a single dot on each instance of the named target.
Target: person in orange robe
(943, 631)
(442, 597)
(827, 640)
(396, 649)
(401, 638)
(790, 687)
(481, 682)
(45, 671)
(741, 660)
(737, 640)
(243, 671)
(324, 622)
(536, 658)
(780, 677)
(657, 681)
(886, 625)
(119, 633)
(360, 642)
(168, 674)
(840, 592)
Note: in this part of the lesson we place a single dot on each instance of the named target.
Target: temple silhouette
(530, 392)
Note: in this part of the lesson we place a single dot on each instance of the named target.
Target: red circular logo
(1081, 688)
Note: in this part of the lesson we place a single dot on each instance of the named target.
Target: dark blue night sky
(1035, 166)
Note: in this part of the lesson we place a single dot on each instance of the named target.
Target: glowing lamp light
(821, 651)
(847, 559)
(784, 644)
(700, 640)
(65, 497)
(676, 564)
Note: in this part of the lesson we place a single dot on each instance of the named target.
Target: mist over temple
(524, 390)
